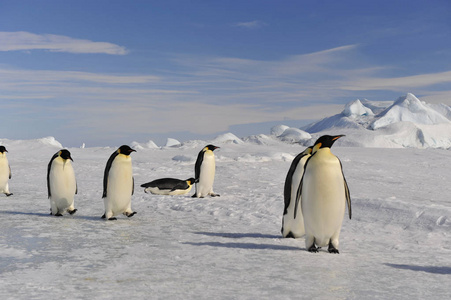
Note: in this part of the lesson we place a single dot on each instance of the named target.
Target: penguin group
(315, 197)
(118, 181)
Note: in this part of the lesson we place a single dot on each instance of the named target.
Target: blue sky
(112, 72)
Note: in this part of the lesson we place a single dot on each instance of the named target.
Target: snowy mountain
(406, 122)
(408, 109)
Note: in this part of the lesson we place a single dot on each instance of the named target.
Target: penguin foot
(58, 215)
(332, 249)
(112, 219)
(8, 194)
(72, 211)
(214, 195)
(290, 235)
(130, 214)
(312, 249)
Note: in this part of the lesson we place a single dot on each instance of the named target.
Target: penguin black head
(126, 150)
(211, 147)
(191, 181)
(3, 149)
(65, 154)
(326, 141)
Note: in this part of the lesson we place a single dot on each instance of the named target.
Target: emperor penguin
(5, 172)
(118, 184)
(168, 186)
(323, 194)
(61, 183)
(204, 170)
(294, 227)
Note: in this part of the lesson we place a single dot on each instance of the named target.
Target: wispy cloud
(250, 25)
(400, 83)
(26, 41)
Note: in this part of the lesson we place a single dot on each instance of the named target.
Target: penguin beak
(337, 137)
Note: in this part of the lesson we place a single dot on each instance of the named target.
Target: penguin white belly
(62, 185)
(296, 226)
(207, 176)
(323, 201)
(157, 191)
(120, 185)
(4, 174)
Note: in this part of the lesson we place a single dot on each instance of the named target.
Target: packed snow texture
(397, 245)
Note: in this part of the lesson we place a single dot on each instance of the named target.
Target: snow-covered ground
(397, 246)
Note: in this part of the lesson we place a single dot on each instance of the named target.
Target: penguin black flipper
(107, 171)
(9, 172)
(180, 186)
(48, 174)
(200, 158)
(288, 181)
(298, 194)
(348, 194)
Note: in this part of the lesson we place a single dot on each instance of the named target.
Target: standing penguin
(61, 183)
(204, 171)
(323, 193)
(118, 184)
(5, 172)
(294, 227)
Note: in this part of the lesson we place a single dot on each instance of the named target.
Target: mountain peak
(356, 108)
(408, 109)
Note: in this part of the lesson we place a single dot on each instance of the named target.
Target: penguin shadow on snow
(236, 245)
(427, 269)
(48, 215)
(16, 213)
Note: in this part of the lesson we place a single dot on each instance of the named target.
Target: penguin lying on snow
(294, 227)
(5, 172)
(61, 183)
(118, 184)
(168, 186)
(204, 171)
(323, 194)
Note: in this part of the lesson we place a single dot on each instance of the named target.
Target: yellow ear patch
(317, 146)
(59, 153)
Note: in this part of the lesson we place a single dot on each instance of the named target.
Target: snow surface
(397, 246)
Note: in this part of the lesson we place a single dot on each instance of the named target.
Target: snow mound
(356, 108)
(408, 108)
(294, 135)
(227, 138)
(40, 144)
(278, 129)
(149, 145)
(172, 143)
(49, 141)
(261, 139)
